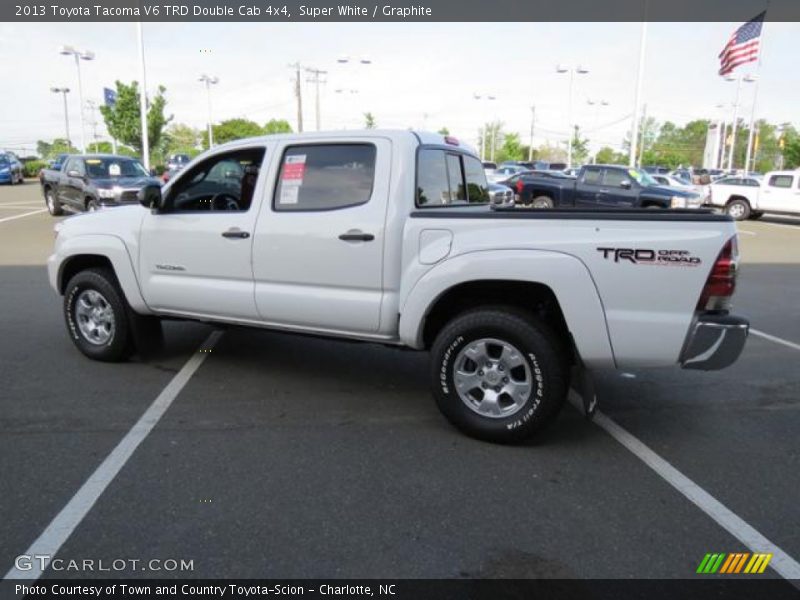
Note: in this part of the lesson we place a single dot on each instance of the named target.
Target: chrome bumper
(714, 342)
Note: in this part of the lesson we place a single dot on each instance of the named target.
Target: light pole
(487, 98)
(79, 56)
(738, 79)
(64, 91)
(209, 81)
(354, 62)
(580, 70)
(597, 105)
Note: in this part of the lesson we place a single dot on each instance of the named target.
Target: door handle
(235, 234)
(356, 236)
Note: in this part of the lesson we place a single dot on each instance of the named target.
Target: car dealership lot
(289, 456)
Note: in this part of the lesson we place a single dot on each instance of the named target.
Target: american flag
(743, 46)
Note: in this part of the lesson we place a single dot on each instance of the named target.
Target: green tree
(607, 156)
(181, 139)
(123, 119)
(108, 148)
(277, 126)
(369, 121)
(791, 148)
(512, 149)
(235, 129)
(48, 150)
(580, 147)
(444, 131)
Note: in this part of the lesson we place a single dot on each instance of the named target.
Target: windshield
(103, 168)
(642, 177)
(3, 159)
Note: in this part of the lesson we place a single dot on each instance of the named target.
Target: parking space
(288, 456)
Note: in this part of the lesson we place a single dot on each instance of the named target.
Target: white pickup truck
(387, 237)
(748, 198)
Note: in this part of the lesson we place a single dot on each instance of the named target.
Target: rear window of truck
(449, 178)
(325, 177)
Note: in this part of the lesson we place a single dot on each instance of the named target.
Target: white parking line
(775, 339)
(782, 563)
(65, 522)
(27, 214)
(744, 231)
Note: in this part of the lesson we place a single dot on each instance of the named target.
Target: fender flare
(112, 248)
(566, 275)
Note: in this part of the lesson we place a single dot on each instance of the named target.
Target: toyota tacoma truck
(93, 181)
(748, 198)
(600, 186)
(389, 237)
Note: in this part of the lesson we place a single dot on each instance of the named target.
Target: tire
(92, 205)
(738, 209)
(53, 204)
(756, 214)
(519, 348)
(96, 315)
(543, 202)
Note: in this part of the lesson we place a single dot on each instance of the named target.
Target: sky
(422, 75)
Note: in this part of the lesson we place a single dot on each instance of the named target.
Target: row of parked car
(11, 171)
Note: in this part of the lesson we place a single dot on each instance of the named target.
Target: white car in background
(503, 173)
(749, 197)
(672, 181)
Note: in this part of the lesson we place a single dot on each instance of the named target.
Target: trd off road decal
(645, 256)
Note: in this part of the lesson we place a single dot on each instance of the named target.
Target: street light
(64, 91)
(597, 104)
(738, 79)
(580, 70)
(79, 56)
(488, 98)
(209, 81)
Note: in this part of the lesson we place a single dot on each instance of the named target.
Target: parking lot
(288, 456)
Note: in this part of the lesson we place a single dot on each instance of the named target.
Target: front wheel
(498, 374)
(96, 316)
(53, 205)
(92, 205)
(738, 209)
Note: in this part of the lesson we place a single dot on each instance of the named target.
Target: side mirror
(625, 184)
(150, 196)
(73, 173)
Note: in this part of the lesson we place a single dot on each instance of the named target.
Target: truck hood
(122, 222)
(125, 182)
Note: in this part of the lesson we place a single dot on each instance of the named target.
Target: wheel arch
(552, 285)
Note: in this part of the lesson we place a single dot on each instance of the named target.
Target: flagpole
(755, 97)
(735, 121)
(638, 98)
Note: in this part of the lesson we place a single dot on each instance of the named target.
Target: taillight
(721, 281)
(520, 185)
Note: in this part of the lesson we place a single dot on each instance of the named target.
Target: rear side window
(445, 178)
(325, 177)
(592, 176)
(780, 181)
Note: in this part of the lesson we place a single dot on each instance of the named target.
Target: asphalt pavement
(291, 456)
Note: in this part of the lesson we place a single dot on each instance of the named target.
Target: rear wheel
(53, 205)
(498, 374)
(96, 315)
(543, 202)
(738, 209)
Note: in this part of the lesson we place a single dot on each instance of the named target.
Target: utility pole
(315, 79)
(92, 106)
(533, 123)
(638, 96)
(298, 92)
(643, 133)
(143, 99)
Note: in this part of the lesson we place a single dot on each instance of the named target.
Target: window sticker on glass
(289, 194)
(294, 169)
(114, 170)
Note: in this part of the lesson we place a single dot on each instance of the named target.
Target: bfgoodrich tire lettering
(93, 282)
(543, 359)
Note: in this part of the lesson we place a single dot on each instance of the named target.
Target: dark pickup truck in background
(599, 186)
(93, 181)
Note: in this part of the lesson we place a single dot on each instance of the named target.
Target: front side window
(325, 177)
(76, 165)
(222, 183)
(780, 181)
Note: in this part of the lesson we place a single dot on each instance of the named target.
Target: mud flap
(582, 383)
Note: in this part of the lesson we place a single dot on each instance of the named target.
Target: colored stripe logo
(736, 562)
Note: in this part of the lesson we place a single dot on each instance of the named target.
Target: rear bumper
(714, 342)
